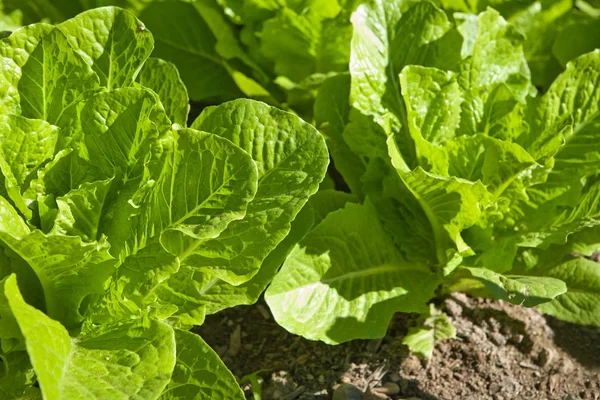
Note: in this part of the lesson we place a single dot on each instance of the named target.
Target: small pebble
(494, 388)
(498, 338)
(391, 388)
(517, 339)
(347, 391)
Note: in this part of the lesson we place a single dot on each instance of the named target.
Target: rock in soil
(502, 352)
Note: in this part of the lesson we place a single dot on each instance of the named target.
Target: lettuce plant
(120, 228)
(282, 51)
(463, 177)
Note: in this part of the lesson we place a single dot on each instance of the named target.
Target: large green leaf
(292, 159)
(67, 268)
(581, 303)
(199, 372)
(93, 367)
(433, 107)
(380, 50)
(185, 38)
(495, 58)
(112, 41)
(574, 263)
(346, 279)
(218, 295)
(53, 78)
(206, 183)
(163, 78)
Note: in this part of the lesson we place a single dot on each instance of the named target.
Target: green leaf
(581, 303)
(327, 201)
(184, 38)
(292, 160)
(91, 367)
(450, 204)
(432, 328)
(199, 372)
(433, 106)
(346, 279)
(496, 162)
(380, 50)
(163, 78)
(573, 262)
(111, 41)
(67, 268)
(528, 291)
(17, 377)
(541, 23)
(331, 112)
(291, 41)
(80, 210)
(583, 26)
(496, 58)
(25, 144)
(36, 10)
(571, 100)
(206, 184)
(219, 295)
(53, 78)
(118, 131)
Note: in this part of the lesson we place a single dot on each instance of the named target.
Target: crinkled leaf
(346, 279)
(91, 367)
(380, 50)
(205, 184)
(67, 268)
(217, 295)
(199, 372)
(53, 77)
(25, 144)
(292, 159)
(163, 78)
(118, 131)
(112, 41)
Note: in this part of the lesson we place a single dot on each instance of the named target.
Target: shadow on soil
(581, 342)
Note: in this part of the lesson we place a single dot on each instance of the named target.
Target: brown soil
(501, 352)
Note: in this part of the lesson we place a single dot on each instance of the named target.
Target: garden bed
(502, 351)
